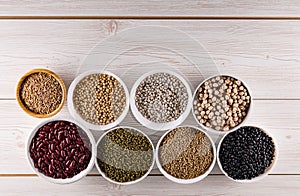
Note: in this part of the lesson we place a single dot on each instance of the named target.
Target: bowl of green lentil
(221, 104)
(161, 99)
(125, 155)
(185, 154)
(98, 99)
(247, 154)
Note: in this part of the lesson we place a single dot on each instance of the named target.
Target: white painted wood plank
(265, 54)
(149, 8)
(152, 185)
(278, 117)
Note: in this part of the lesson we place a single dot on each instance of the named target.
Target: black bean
(246, 153)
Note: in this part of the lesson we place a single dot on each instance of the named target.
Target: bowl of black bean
(61, 151)
(221, 104)
(98, 99)
(247, 154)
(125, 155)
(161, 99)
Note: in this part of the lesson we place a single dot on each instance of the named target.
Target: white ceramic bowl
(130, 182)
(78, 118)
(260, 177)
(153, 125)
(60, 180)
(185, 181)
(211, 130)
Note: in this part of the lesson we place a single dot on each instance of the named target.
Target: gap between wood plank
(255, 99)
(150, 17)
(35, 175)
(92, 175)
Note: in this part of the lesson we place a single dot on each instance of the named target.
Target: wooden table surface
(258, 41)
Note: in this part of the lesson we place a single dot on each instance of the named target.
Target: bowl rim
(130, 182)
(160, 126)
(75, 178)
(186, 181)
(77, 116)
(61, 83)
(211, 130)
(267, 171)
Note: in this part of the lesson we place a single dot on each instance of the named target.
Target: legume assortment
(99, 99)
(161, 98)
(124, 155)
(60, 149)
(246, 153)
(186, 153)
(221, 103)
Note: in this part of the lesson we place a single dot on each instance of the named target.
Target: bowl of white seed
(98, 99)
(221, 104)
(161, 99)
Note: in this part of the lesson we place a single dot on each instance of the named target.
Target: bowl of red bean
(61, 151)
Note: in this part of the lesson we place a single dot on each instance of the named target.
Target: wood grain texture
(278, 117)
(264, 54)
(212, 185)
(149, 8)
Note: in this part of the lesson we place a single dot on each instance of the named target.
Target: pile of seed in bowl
(124, 155)
(186, 153)
(161, 98)
(41, 93)
(99, 99)
(246, 153)
(221, 103)
(60, 149)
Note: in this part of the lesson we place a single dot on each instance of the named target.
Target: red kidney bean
(63, 153)
(59, 149)
(76, 158)
(67, 140)
(52, 147)
(81, 159)
(72, 164)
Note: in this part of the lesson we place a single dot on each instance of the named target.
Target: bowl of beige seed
(98, 99)
(221, 104)
(185, 154)
(161, 99)
(41, 93)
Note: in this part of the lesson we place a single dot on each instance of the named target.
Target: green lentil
(124, 155)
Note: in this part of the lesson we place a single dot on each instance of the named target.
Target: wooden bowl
(61, 83)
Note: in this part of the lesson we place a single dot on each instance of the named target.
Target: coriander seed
(99, 99)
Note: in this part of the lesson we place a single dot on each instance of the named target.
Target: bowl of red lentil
(41, 93)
